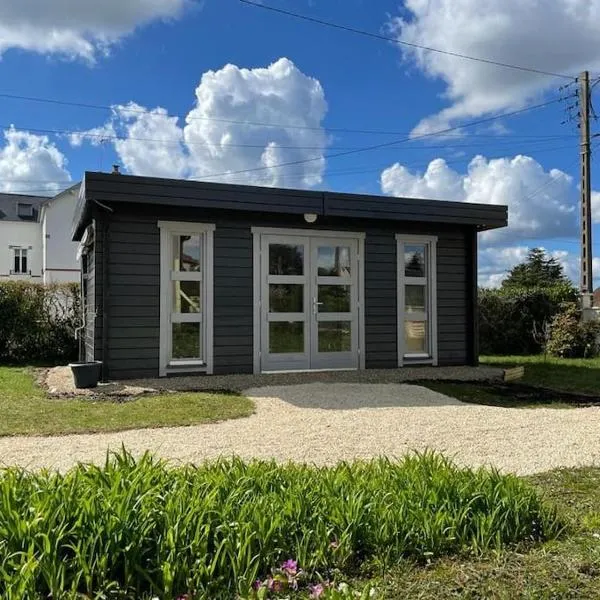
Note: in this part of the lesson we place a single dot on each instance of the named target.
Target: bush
(508, 316)
(572, 338)
(211, 531)
(38, 322)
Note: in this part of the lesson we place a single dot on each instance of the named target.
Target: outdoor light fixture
(310, 217)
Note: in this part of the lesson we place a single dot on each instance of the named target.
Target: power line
(101, 137)
(212, 119)
(383, 145)
(401, 42)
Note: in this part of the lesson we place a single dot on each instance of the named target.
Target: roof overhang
(110, 189)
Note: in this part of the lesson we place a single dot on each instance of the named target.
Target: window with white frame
(20, 266)
(186, 295)
(417, 318)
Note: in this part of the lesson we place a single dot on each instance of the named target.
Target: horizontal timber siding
(134, 286)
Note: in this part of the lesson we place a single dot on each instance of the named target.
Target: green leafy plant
(570, 337)
(510, 317)
(139, 528)
(38, 322)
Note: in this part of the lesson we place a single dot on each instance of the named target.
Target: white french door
(309, 302)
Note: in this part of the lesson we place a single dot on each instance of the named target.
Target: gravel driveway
(327, 422)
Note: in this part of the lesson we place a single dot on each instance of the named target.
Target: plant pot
(86, 374)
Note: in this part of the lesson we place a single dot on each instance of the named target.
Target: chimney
(115, 170)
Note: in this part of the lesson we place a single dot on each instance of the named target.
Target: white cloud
(541, 204)
(495, 263)
(212, 140)
(559, 36)
(77, 28)
(31, 162)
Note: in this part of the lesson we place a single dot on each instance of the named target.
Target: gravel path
(324, 423)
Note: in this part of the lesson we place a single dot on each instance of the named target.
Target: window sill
(415, 359)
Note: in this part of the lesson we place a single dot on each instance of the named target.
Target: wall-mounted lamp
(310, 217)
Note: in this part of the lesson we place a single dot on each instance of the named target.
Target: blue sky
(325, 83)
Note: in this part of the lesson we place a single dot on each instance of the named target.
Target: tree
(538, 270)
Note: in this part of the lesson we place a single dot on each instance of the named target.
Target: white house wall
(60, 253)
(24, 235)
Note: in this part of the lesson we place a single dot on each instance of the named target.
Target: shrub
(211, 531)
(572, 338)
(509, 316)
(38, 322)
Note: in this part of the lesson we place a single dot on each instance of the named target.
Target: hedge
(507, 316)
(38, 322)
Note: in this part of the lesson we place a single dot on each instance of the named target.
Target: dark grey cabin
(193, 277)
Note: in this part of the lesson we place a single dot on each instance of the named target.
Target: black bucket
(86, 374)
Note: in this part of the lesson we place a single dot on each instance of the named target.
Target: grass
(139, 528)
(27, 410)
(580, 375)
(564, 568)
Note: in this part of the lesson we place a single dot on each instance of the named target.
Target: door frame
(257, 233)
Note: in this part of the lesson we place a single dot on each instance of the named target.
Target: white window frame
(19, 250)
(167, 230)
(430, 281)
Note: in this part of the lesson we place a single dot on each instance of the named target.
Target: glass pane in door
(286, 259)
(333, 261)
(335, 336)
(286, 337)
(334, 298)
(286, 297)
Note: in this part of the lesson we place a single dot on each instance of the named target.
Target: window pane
(335, 336)
(188, 253)
(23, 261)
(17, 265)
(286, 298)
(414, 298)
(414, 261)
(334, 298)
(333, 261)
(286, 337)
(187, 297)
(186, 340)
(286, 259)
(415, 337)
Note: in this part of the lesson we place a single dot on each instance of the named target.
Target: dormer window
(24, 210)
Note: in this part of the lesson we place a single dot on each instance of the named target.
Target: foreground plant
(135, 529)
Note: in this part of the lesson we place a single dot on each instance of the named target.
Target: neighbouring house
(193, 277)
(35, 237)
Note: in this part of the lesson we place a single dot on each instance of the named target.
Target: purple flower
(316, 591)
(257, 584)
(290, 566)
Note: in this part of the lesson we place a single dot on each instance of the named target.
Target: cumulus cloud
(541, 204)
(77, 28)
(560, 36)
(496, 263)
(596, 207)
(29, 161)
(222, 134)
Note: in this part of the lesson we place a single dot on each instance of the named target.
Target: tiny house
(186, 277)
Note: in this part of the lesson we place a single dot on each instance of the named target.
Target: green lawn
(568, 374)
(26, 409)
(566, 568)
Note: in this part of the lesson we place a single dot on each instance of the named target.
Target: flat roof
(108, 188)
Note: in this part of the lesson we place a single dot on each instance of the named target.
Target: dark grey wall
(133, 299)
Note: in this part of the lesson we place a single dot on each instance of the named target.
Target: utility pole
(587, 281)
